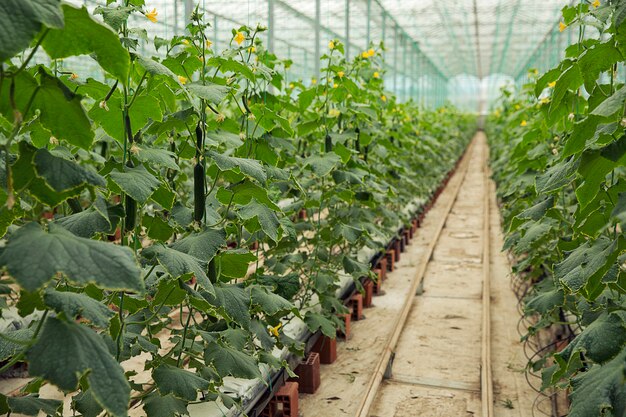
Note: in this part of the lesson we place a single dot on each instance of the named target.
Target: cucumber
(198, 192)
(212, 272)
(129, 130)
(198, 139)
(130, 207)
(328, 145)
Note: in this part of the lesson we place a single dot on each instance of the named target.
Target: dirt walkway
(437, 366)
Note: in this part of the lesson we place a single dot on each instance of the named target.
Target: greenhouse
(303, 208)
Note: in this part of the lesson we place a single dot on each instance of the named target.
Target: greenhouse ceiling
(475, 37)
(478, 37)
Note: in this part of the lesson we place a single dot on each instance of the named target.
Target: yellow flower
(517, 107)
(365, 55)
(524, 123)
(552, 84)
(545, 100)
(219, 118)
(596, 3)
(383, 98)
(185, 41)
(335, 85)
(340, 74)
(331, 45)
(562, 26)
(371, 52)
(208, 43)
(183, 80)
(152, 16)
(251, 49)
(291, 85)
(274, 330)
(376, 74)
(73, 76)
(334, 113)
(313, 81)
(239, 38)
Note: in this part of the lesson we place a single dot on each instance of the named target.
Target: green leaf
(611, 105)
(33, 257)
(260, 331)
(286, 286)
(63, 175)
(179, 264)
(75, 305)
(532, 235)
(145, 108)
(269, 302)
(65, 351)
(62, 113)
(594, 168)
(82, 35)
(601, 340)
(570, 79)
(533, 213)
(202, 245)
(88, 222)
(235, 263)
(229, 361)
(322, 165)
(583, 131)
(316, 321)
(546, 78)
(235, 301)
(267, 218)
(619, 211)
(58, 180)
(136, 182)
(546, 301)
(179, 382)
(21, 20)
(115, 17)
(156, 405)
(245, 192)
(31, 405)
(599, 58)
(213, 93)
(158, 228)
(249, 167)
(600, 390)
(8, 348)
(355, 268)
(86, 404)
(585, 261)
(159, 157)
(558, 176)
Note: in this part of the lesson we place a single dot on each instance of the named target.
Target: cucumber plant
(155, 213)
(558, 158)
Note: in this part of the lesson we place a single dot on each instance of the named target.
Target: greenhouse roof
(478, 37)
